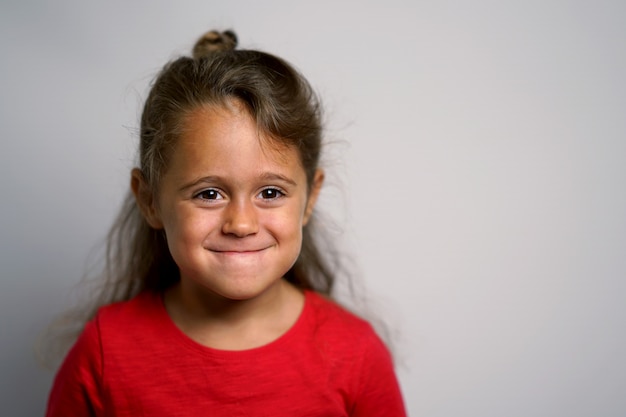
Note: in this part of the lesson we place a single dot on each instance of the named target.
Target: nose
(240, 219)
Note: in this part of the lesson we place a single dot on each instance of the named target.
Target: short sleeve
(379, 392)
(77, 386)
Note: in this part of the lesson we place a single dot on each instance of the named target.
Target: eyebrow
(271, 176)
(266, 176)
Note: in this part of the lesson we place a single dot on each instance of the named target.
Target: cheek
(290, 219)
(287, 230)
(187, 225)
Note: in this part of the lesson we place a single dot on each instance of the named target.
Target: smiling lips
(237, 251)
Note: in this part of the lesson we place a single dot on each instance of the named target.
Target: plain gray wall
(482, 152)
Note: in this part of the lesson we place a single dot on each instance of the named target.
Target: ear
(145, 199)
(314, 192)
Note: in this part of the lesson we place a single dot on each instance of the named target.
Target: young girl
(218, 300)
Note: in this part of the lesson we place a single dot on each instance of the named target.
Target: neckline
(173, 332)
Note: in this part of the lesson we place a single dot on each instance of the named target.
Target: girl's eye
(209, 195)
(271, 194)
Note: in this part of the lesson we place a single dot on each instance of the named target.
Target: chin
(245, 293)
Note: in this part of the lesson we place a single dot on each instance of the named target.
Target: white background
(478, 173)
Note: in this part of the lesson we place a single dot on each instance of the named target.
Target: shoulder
(336, 319)
(350, 336)
(127, 323)
(130, 315)
(136, 306)
(78, 382)
(362, 361)
(105, 342)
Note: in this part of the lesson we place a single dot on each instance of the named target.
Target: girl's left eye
(271, 194)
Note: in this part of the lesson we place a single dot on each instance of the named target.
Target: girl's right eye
(209, 194)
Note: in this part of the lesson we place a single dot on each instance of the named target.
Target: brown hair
(285, 109)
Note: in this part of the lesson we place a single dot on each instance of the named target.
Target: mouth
(238, 251)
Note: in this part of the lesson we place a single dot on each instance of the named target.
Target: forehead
(227, 138)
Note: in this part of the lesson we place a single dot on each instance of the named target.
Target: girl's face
(232, 204)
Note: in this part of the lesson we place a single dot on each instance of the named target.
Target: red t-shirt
(132, 360)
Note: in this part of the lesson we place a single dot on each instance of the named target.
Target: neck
(222, 323)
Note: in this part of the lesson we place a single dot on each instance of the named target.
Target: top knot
(213, 42)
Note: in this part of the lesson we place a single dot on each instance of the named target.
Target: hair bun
(213, 42)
